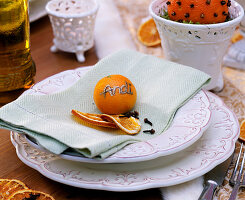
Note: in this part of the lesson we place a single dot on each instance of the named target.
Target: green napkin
(162, 88)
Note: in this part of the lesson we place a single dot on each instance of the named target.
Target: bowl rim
(62, 15)
(198, 26)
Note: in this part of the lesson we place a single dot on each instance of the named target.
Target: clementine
(115, 94)
(198, 11)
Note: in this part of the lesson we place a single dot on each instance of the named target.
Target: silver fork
(236, 179)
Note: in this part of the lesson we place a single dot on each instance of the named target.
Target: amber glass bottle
(16, 66)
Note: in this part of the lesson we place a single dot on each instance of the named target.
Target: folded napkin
(162, 88)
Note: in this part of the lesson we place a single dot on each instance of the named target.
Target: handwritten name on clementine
(124, 89)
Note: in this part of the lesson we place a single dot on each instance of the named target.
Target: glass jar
(16, 66)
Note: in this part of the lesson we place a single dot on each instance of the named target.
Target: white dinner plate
(37, 9)
(189, 123)
(215, 146)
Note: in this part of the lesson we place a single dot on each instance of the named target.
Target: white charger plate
(214, 147)
(190, 122)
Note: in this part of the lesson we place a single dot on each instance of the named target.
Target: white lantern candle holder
(73, 24)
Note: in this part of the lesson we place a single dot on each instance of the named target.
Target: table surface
(11, 167)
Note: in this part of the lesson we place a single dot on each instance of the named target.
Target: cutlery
(236, 180)
(214, 178)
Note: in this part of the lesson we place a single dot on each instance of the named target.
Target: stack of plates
(202, 135)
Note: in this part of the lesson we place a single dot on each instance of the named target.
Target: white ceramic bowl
(73, 24)
(201, 46)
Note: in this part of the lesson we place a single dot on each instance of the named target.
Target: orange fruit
(30, 194)
(129, 125)
(94, 119)
(198, 11)
(115, 94)
(242, 131)
(148, 34)
(10, 186)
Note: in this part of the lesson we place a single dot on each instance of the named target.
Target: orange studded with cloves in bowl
(198, 11)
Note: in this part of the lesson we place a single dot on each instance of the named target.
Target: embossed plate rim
(144, 175)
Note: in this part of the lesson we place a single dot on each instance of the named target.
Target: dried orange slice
(242, 131)
(94, 119)
(148, 34)
(30, 194)
(129, 125)
(9, 187)
(236, 37)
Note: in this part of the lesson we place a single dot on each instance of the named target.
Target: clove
(147, 121)
(32, 197)
(134, 114)
(152, 131)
